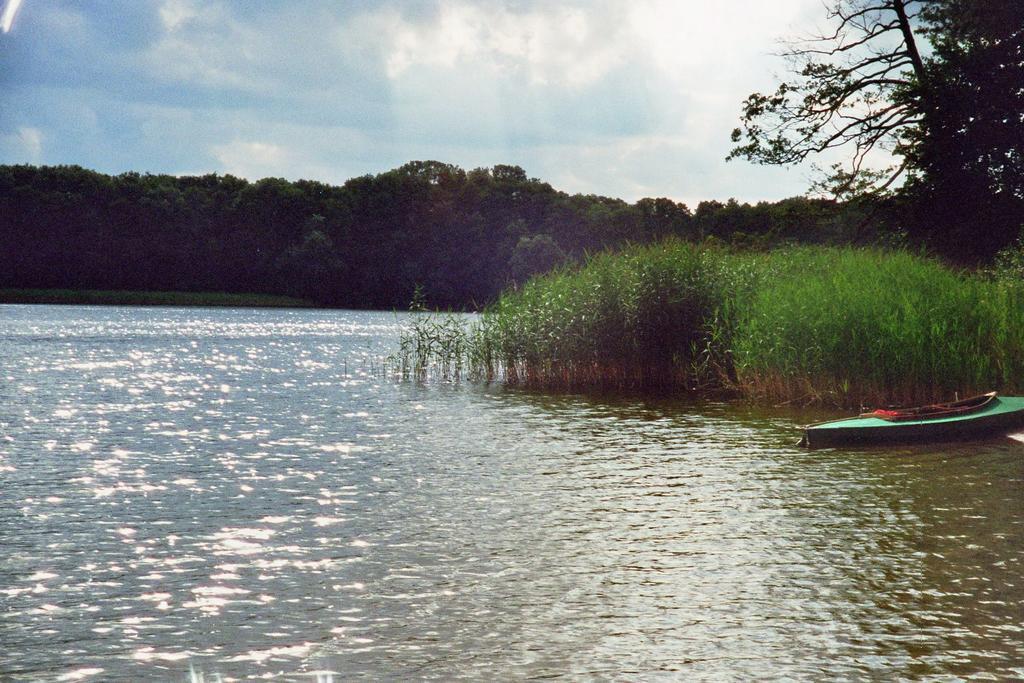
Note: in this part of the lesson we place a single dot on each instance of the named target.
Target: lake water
(224, 494)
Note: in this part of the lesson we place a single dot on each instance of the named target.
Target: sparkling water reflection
(238, 493)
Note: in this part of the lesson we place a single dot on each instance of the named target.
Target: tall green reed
(865, 326)
(838, 325)
(432, 346)
(639, 319)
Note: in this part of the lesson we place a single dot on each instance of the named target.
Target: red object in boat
(936, 410)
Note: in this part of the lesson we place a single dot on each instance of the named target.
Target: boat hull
(1002, 416)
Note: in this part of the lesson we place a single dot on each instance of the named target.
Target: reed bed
(865, 327)
(433, 346)
(842, 326)
(639, 319)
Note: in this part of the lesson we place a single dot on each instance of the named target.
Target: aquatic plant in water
(838, 325)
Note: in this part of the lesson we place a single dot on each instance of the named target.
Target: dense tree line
(459, 236)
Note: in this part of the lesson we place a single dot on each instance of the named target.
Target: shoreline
(105, 297)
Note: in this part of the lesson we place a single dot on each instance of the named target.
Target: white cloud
(251, 159)
(24, 146)
(541, 71)
(548, 44)
(709, 37)
(620, 97)
(174, 13)
(205, 46)
(671, 166)
(297, 152)
(578, 44)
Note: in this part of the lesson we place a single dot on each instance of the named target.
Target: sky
(627, 99)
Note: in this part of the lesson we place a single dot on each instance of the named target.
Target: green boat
(977, 417)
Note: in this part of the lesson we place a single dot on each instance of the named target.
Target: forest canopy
(458, 236)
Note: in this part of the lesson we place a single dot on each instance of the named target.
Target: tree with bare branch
(917, 100)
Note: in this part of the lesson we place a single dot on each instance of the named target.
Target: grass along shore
(97, 297)
(841, 326)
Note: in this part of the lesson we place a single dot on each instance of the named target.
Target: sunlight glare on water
(226, 494)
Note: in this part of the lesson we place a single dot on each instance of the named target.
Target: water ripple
(238, 494)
